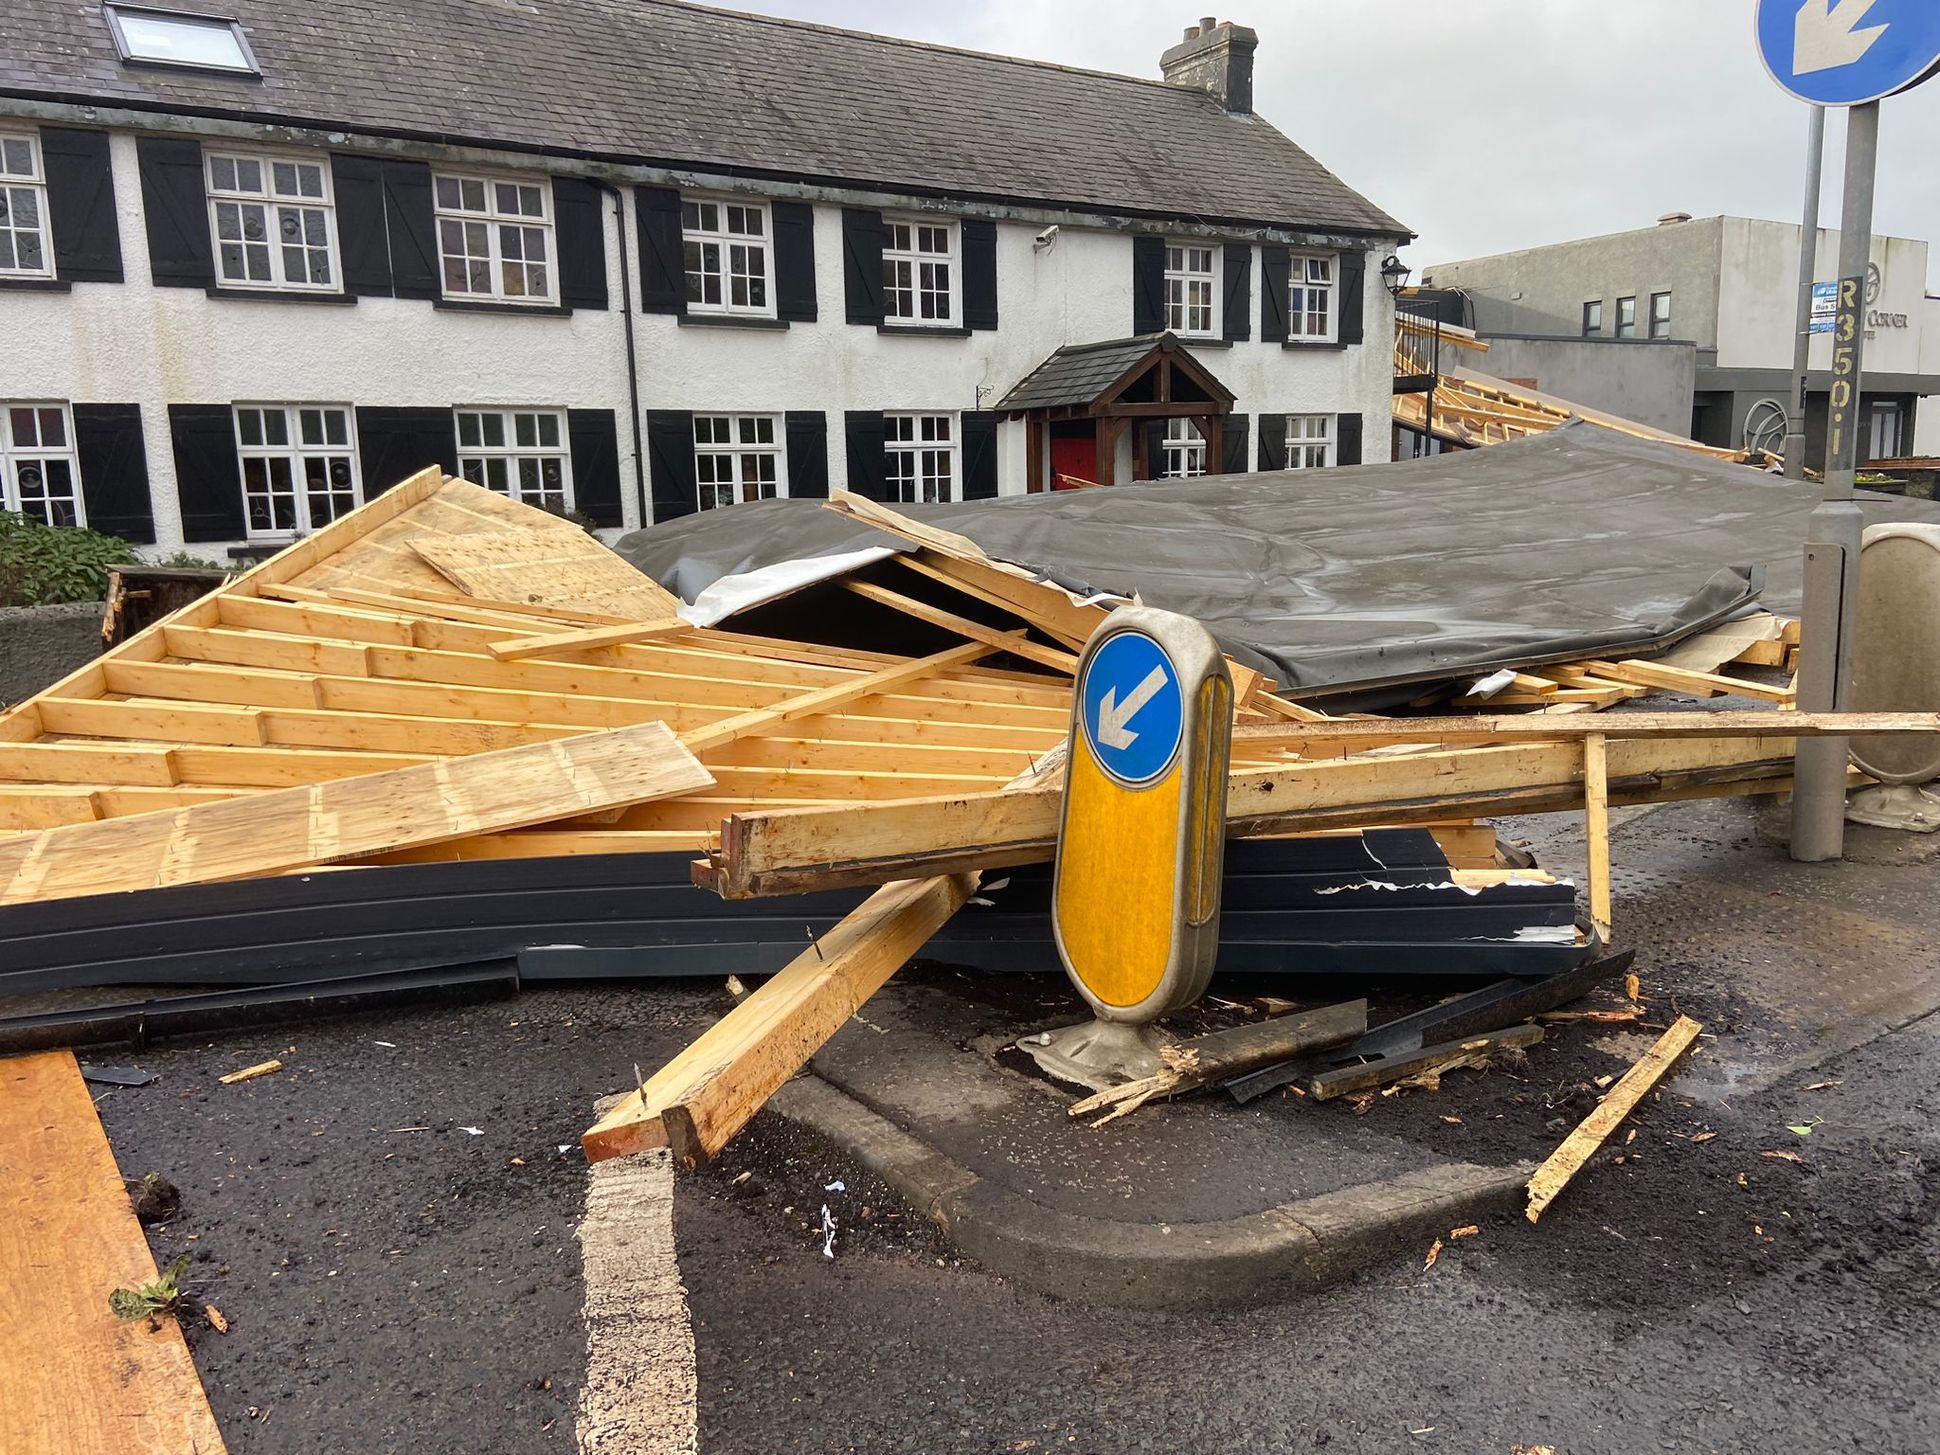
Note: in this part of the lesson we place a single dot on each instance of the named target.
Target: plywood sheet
(76, 1380)
(549, 568)
(322, 822)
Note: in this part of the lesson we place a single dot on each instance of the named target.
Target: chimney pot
(1215, 57)
(1208, 24)
(1192, 32)
(1670, 219)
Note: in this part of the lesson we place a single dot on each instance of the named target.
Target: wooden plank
(1220, 1054)
(586, 638)
(78, 1380)
(1664, 726)
(701, 1098)
(1595, 1129)
(1013, 642)
(569, 615)
(1676, 679)
(556, 570)
(1471, 1052)
(322, 822)
(1596, 815)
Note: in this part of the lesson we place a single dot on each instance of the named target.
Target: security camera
(1047, 237)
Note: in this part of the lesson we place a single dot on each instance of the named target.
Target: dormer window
(171, 38)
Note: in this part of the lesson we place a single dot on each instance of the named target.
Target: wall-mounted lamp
(1395, 273)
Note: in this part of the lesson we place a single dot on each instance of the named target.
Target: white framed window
(1185, 450)
(738, 458)
(494, 238)
(727, 255)
(1310, 441)
(1311, 314)
(1191, 288)
(919, 272)
(920, 457)
(23, 208)
(299, 467)
(275, 224)
(167, 38)
(40, 477)
(522, 453)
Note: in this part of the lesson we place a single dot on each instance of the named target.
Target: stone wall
(39, 645)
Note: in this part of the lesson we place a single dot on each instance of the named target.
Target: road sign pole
(1833, 534)
(1808, 274)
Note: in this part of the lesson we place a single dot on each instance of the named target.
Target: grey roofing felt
(1574, 543)
(660, 82)
(1078, 373)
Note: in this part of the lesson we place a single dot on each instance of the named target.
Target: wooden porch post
(1034, 432)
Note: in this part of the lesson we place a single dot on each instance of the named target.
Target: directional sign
(1848, 52)
(1141, 846)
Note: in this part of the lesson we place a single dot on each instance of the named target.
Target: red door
(1075, 455)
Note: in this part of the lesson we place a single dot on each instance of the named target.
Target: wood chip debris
(250, 1073)
(215, 1318)
(1434, 1252)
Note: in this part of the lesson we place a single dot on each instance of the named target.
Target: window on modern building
(1310, 441)
(1185, 450)
(919, 272)
(39, 475)
(1660, 315)
(1884, 435)
(161, 38)
(1593, 318)
(738, 458)
(299, 467)
(1310, 298)
(919, 457)
(1191, 288)
(522, 453)
(729, 262)
(1626, 318)
(23, 208)
(494, 238)
(274, 222)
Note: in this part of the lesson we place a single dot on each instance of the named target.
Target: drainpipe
(632, 363)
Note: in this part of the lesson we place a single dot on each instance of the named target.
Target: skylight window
(170, 38)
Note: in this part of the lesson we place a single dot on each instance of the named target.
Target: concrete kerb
(1295, 1247)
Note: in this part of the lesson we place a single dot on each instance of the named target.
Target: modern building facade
(1629, 322)
(637, 258)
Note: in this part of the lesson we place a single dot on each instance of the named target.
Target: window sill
(281, 295)
(921, 330)
(731, 320)
(1206, 341)
(1315, 345)
(36, 285)
(468, 305)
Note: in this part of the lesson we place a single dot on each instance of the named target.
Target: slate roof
(660, 82)
(1078, 373)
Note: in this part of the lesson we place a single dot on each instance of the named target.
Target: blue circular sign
(1848, 52)
(1134, 710)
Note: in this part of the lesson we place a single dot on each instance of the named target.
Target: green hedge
(44, 565)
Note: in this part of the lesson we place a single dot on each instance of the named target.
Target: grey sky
(1490, 125)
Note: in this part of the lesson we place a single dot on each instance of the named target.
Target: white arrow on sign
(1826, 37)
(1114, 716)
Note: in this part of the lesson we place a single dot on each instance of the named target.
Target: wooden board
(706, 1094)
(74, 1379)
(319, 823)
(550, 569)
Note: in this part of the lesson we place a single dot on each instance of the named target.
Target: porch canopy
(1080, 402)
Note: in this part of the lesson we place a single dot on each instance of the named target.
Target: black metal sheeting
(1291, 905)
(1580, 542)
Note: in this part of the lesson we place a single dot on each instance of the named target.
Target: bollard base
(1097, 1055)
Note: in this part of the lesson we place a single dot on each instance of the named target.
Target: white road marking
(639, 1396)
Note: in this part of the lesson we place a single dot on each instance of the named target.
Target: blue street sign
(1848, 52)
(1134, 711)
(1825, 306)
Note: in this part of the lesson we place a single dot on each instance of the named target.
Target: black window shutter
(81, 206)
(1276, 277)
(1352, 274)
(862, 265)
(208, 481)
(1273, 442)
(114, 471)
(979, 455)
(808, 454)
(1347, 437)
(1148, 285)
(663, 270)
(1239, 291)
(412, 229)
(361, 234)
(393, 444)
(863, 430)
(595, 441)
(979, 273)
(1233, 445)
(670, 462)
(582, 244)
(175, 205)
(795, 266)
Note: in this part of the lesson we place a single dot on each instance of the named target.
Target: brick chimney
(1215, 57)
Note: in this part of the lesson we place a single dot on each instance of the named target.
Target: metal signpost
(1142, 842)
(1849, 53)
